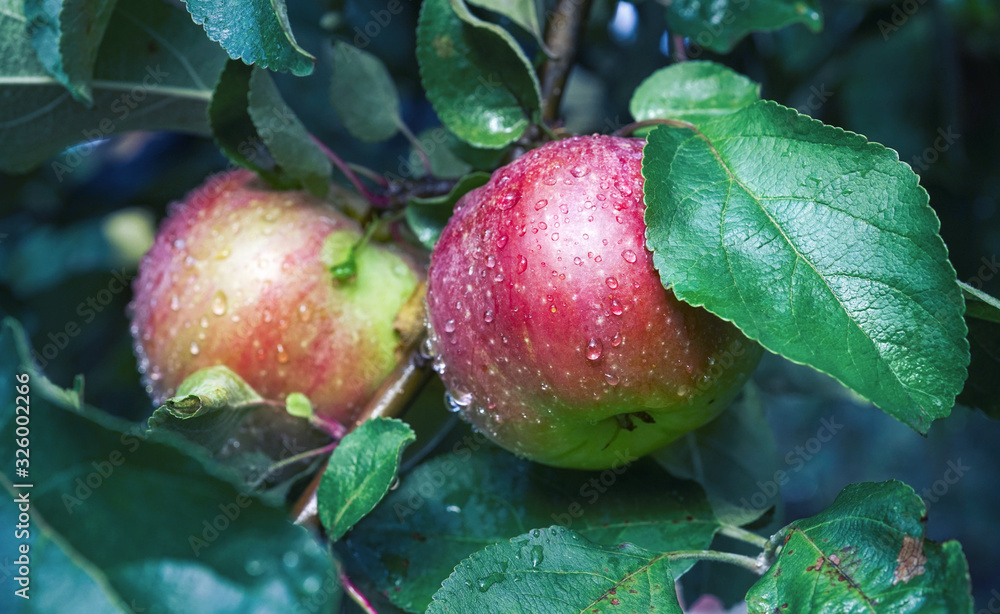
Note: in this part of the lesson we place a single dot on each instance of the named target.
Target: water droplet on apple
(498, 277)
(501, 241)
(578, 261)
(305, 313)
(522, 263)
(282, 354)
(541, 204)
(555, 236)
(616, 307)
(449, 326)
(175, 303)
(507, 201)
(612, 378)
(194, 348)
(488, 316)
(629, 256)
(616, 340)
(580, 170)
(612, 282)
(594, 349)
(179, 244)
(491, 261)
(219, 303)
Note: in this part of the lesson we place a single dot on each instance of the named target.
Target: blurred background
(920, 76)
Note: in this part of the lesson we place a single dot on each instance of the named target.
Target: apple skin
(239, 276)
(554, 333)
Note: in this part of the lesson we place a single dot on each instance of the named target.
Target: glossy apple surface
(556, 337)
(239, 276)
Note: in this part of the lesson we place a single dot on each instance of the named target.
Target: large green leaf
(256, 32)
(156, 526)
(455, 504)
(816, 243)
(479, 81)
(257, 130)
(66, 34)
(864, 553)
(219, 412)
(525, 13)
(360, 472)
(720, 24)
(693, 92)
(155, 71)
(363, 94)
(556, 570)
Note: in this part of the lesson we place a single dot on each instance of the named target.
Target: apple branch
(561, 37)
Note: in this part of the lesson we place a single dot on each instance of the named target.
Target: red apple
(239, 276)
(556, 337)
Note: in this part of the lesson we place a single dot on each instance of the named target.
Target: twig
(417, 147)
(364, 171)
(646, 123)
(377, 200)
(743, 535)
(724, 557)
(352, 591)
(392, 397)
(561, 38)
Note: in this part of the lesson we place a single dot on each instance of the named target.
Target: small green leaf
(719, 25)
(298, 405)
(216, 410)
(363, 94)
(525, 13)
(427, 216)
(866, 550)
(455, 504)
(17, 356)
(730, 457)
(154, 71)
(255, 129)
(256, 32)
(692, 92)
(66, 34)
(360, 472)
(556, 570)
(477, 78)
(816, 243)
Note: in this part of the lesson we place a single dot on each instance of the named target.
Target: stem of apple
(628, 129)
(746, 562)
(561, 38)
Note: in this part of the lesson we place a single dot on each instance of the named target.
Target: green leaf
(555, 570)
(427, 216)
(693, 92)
(66, 34)
(730, 457)
(451, 506)
(980, 305)
(360, 472)
(719, 25)
(479, 81)
(154, 71)
(816, 243)
(219, 412)
(864, 553)
(298, 405)
(525, 13)
(363, 94)
(156, 526)
(256, 129)
(256, 32)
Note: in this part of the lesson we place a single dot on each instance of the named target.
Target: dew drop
(282, 354)
(616, 340)
(490, 261)
(175, 303)
(203, 322)
(501, 241)
(522, 263)
(488, 316)
(612, 378)
(612, 282)
(305, 314)
(498, 277)
(555, 236)
(194, 348)
(578, 261)
(616, 307)
(507, 201)
(629, 256)
(594, 349)
(449, 326)
(549, 180)
(219, 303)
(541, 204)
(580, 170)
